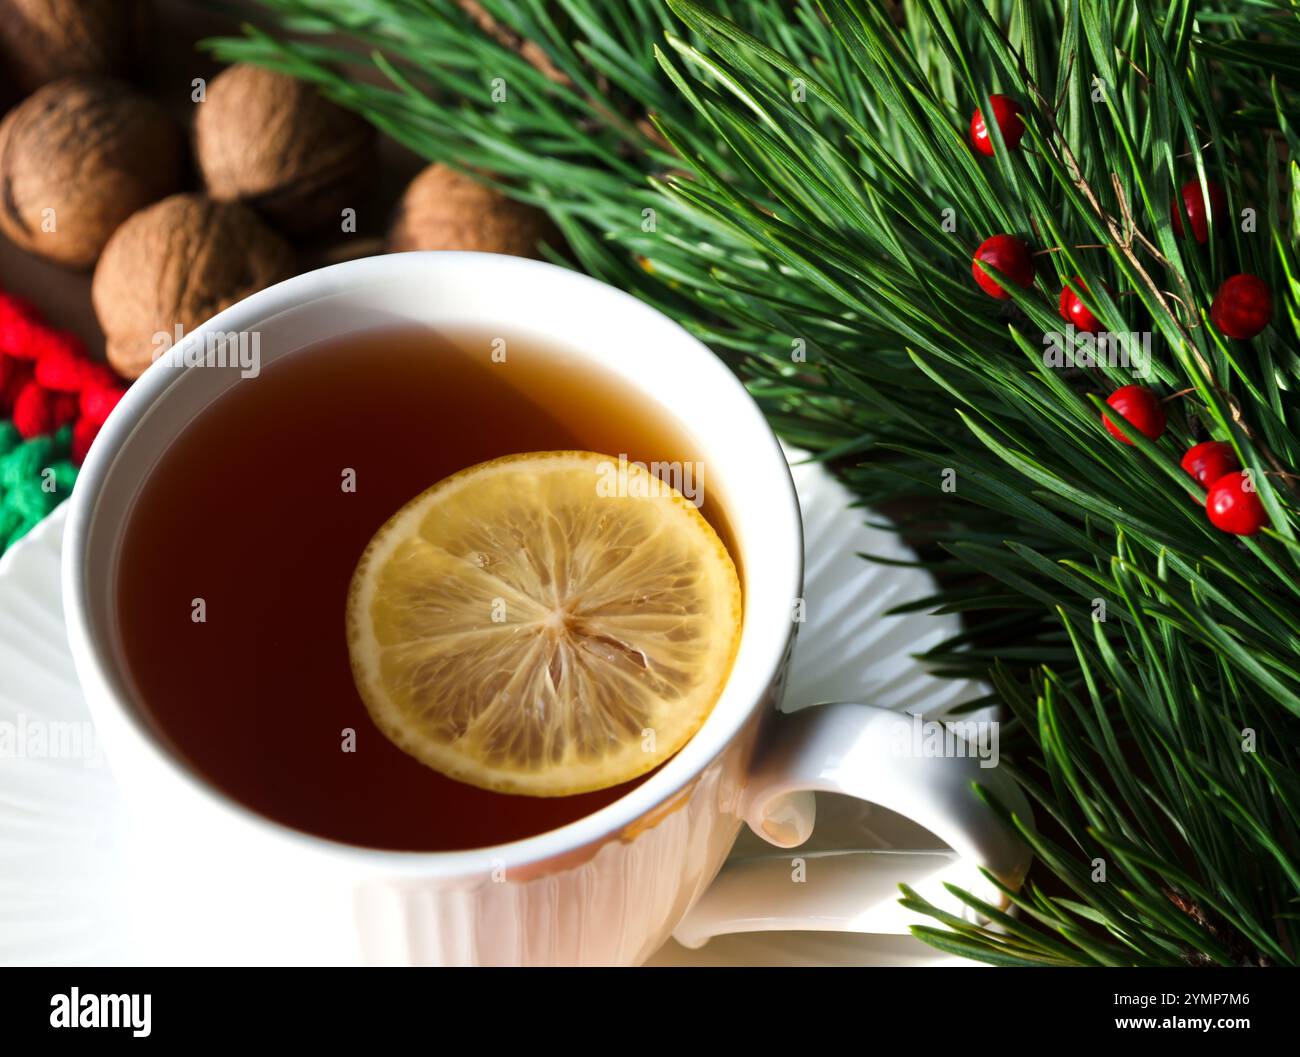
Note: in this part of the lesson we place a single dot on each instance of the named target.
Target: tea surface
(250, 511)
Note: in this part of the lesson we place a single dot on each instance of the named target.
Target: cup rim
(772, 630)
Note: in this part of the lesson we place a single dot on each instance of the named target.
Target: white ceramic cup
(610, 888)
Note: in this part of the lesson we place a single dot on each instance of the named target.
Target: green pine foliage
(797, 176)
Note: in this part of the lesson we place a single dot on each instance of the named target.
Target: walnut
(276, 144)
(530, 51)
(44, 40)
(181, 261)
(443, 209)
(76, 159)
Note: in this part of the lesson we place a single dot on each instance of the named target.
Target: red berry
(1210, 460)
(1193, 205)
(1073, 310)
(1139, 407)
(1010, 256)
(1234, 506)
(1006, 112)
(1242, 307)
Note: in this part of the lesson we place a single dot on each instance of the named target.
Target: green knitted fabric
(35, 476)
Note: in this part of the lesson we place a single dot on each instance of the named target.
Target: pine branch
(799, 174)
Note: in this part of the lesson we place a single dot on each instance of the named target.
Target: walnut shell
(443, 209)
(43, 40)
(182, 260)
(276, 144)
(92, 151)
(530, 51)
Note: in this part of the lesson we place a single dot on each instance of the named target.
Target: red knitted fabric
(47, 381)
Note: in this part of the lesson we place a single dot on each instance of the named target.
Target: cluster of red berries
(1241, 309)
(48, 382)
(1232, 503)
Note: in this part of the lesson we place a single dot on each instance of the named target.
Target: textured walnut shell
(43, 40)
(445, 210)
(528, 50)
(94, 152)
(182, 260)
(276, 144)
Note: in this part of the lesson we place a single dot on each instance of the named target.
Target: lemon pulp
(535, 624)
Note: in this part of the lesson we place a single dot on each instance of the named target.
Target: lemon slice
(538, 624)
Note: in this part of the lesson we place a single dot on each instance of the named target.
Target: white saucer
(71, 870)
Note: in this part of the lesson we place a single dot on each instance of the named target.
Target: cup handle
(872, 754)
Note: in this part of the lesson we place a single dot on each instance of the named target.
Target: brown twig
(1138, 69)
(1124, 238)
(1242, 951)
(1192, 321)
(1060, 102)
(1084, 246)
